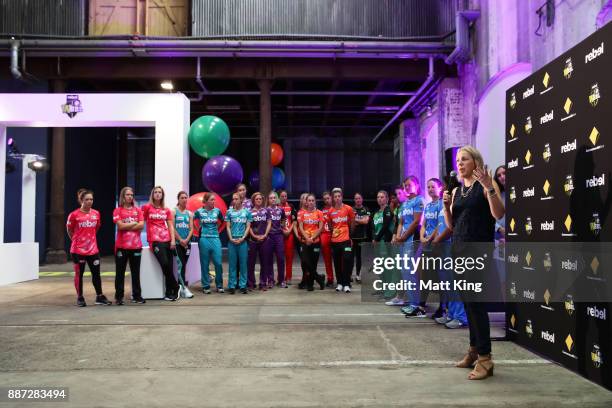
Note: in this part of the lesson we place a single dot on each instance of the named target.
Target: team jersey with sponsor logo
(247, 204)
(378, 222)
(326, 229)
(260, 220)
(290, 216)
(238, 221)
(340, 220)
(83, 227)
(209, 221)
(407, 212)
(431, 215)
(156, 218)
(128, 239)
(361, 230)
(310, 221)
(442, 223)
(181, 222)
(277, 215)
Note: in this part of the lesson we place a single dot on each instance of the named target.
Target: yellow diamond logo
(595, 265)
(594, 136)
(512, 130)
(568, 223)
(528, 258)
(546, 187)
(569, 342)
(527, 157)
(567, 107)
(547, 296)
(546, 80)
(512, 224)
(513, 321)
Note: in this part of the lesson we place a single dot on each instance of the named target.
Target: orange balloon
(276, 154)
(197, 201)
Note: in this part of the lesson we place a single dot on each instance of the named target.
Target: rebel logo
(547, 117)
(530, 192)
(88, 224)
(595, 52)
(569, 146)
(513, 163)
(569, 265)
(600, 314)
(596, 181)
(528, 92)
(549, 337)
(513, 258)
(529, 294)
(547, 226)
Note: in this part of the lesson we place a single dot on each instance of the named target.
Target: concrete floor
(282, 348)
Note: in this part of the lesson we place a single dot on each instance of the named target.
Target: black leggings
(122, 257)
(182, 254)
(310, 258)
(93, 261)
(478, 323)
(342, 255)
(164, 256)
(357, 251)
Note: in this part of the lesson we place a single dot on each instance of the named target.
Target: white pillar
(2, 178)
(28, 200)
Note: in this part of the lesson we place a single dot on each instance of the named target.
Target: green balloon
(209, 136)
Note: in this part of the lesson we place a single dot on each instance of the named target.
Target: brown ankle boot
(483, 368)
(469, 359)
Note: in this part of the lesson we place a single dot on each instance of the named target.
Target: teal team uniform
(181, 225)
(210, 245)
(238, 254)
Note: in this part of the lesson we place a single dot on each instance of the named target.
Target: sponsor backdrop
(559, 169)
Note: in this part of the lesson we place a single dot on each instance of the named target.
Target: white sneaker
(339, 288)
(181, 292)
(186, 293)
(347, 289)
(220, 290)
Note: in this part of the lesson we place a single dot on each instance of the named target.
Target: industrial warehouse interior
(305, 203)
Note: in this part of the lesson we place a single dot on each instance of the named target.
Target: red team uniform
(326, 246)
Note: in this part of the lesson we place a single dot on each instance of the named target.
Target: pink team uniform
(83, 227)
(128, 239)
(157, 229)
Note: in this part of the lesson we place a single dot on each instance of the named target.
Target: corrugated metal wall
(364, 18)
(48, 17)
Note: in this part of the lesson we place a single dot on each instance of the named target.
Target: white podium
(152, 278)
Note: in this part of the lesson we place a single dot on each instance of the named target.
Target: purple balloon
(221, 174)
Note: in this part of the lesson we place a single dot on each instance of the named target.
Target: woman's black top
(472, 219)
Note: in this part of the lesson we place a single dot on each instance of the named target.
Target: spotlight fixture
(167, 85)
(39, 165)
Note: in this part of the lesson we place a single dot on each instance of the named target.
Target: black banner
(559, 170)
